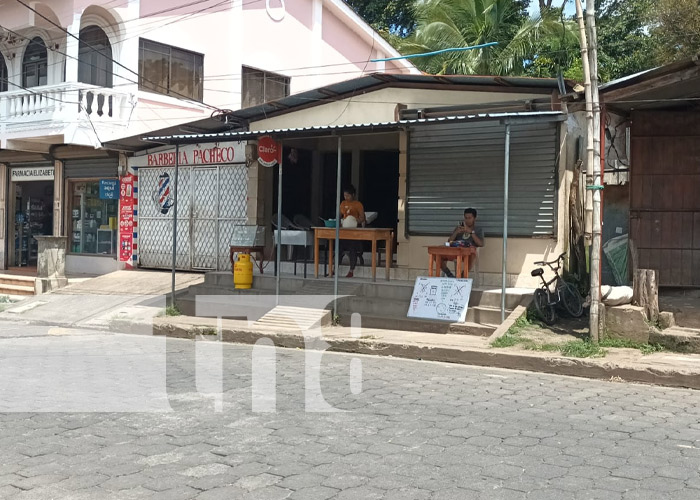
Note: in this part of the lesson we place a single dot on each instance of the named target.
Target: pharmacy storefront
(30, 206)
(212, 200)
(90, 216)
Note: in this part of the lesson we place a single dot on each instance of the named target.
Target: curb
(513, 359)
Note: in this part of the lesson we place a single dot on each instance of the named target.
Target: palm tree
(444, 24)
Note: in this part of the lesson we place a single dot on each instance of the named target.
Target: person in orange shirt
(352, 214)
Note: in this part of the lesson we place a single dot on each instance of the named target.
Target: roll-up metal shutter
(455, 166)
(91, 168)
(33, 164)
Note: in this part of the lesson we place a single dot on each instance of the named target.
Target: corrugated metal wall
(91, 168)
(33, 164)
(454, 166)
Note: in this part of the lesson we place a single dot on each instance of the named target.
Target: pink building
(75, 74)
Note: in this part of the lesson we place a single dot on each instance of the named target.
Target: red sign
(269, 151)
(126, 218)
(218, 153)
(210, 156)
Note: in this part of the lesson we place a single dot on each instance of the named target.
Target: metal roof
(373, 81)
(326, 130)
(342, 90)
(674, 86)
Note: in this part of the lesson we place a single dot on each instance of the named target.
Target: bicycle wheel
(544, 310)
(571, 299)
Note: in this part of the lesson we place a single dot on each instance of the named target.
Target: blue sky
(570, 8)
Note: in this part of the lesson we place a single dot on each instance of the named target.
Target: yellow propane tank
(243, 272)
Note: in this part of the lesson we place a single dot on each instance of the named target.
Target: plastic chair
(302, 222)
(286, 223)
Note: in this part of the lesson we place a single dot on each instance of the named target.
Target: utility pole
(591, 180)
(596, 185)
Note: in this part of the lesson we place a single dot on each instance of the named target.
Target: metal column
(505, 223)
(279, 230)
(336, 262)
(177, 171)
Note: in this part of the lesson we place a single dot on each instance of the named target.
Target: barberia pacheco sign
(22, 174)
(219, 153)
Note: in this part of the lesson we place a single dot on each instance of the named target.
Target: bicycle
(564, 294)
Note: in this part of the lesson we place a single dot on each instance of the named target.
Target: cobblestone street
(94, 415)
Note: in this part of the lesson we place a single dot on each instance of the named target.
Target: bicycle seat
(539, 263)
(537, 272)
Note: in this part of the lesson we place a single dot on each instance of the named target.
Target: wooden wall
(665, 194)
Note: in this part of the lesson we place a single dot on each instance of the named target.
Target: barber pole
(162, 195)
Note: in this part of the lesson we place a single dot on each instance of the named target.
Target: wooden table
(372, 234)
(437, 253)
(237, 249)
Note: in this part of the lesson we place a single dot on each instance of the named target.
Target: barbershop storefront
(212, 187)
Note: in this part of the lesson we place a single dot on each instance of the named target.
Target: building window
(262, 86)
(34, 64)
(170, 71)
(93, 217)
(94, 57)
(3, 74)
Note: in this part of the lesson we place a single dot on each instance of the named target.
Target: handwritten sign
(440, 298)
(126, 218)
(109, 189)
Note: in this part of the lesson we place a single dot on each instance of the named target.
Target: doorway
(33, 216)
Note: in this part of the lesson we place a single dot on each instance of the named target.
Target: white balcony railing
(67, 103)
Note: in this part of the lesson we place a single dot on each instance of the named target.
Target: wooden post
(646, 292)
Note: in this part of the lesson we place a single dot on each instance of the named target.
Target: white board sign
(21, 174)
(440, 298)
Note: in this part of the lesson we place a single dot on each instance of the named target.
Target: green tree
(394, 17)
(677, 29)
(556, 53)
(625, 45)
(447, 24)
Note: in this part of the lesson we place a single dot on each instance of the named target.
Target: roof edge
(643, 76)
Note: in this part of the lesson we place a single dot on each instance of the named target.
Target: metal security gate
(212, 201)
(91, 168)
(459, 165)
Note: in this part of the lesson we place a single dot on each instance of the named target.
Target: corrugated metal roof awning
(362, 128)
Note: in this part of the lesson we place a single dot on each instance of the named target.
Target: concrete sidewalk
(95, 302)
(134, 301)
(621, 365)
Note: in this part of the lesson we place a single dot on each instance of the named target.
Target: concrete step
(399, 290)
(288, 317)
(326, 287)
(373, 307)
(10, 289)
(486, 315)
(398, 309)
(17, 279)
(253, 308)
(678, 338)
(471, 328)
(419, 325)
(491, 297)
(14, 284)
